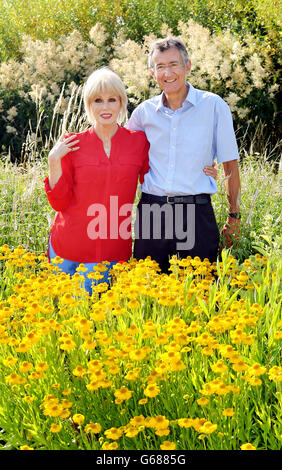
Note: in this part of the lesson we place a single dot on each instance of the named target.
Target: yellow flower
(79, 371)
(151, 390)
(133, 304)
(115, 369)
(53, 410)
(28, 399)
(219, 367)
(228, 412)
(55, 427)
(93, 428)
(138, 354)
(131, 431)
(14, 378)
(137, 421)
(78, 418)
(123, 393)
(256, 369)
(132, 330)
(202, 401)
(65, 414)
(110, 446)
(247, 446)
(57, 260)
(66, 403)
(68, 345)
(162, 432)
(254, 381)
(41, 367)
(240, 366)
(10, 361)
(160, 423)
(177, 365)
(113, 433)
(89, 344)
(26, 448)
(81, 268)
(185, 422)
(275, 373)
(168, 445)
(24, 346)
(278, 335)
(67, 299)
(56, 386)
(143, 401)
(207, 428)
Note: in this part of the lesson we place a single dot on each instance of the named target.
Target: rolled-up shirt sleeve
(224, 135)
(61, 195)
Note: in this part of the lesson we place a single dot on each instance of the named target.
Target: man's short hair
(104, 80)
(162, 45)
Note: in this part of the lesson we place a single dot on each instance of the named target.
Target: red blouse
(94, 197)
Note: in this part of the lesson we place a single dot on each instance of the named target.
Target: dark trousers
(162, 230)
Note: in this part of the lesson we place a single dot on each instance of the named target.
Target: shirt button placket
(172, 152)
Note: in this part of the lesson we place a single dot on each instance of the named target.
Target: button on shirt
(184, 141)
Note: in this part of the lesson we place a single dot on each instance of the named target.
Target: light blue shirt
(184, 141)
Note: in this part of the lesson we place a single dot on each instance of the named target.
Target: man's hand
(230, 233)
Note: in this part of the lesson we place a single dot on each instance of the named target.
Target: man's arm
(231, 229)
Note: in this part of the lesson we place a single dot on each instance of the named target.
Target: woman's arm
(58, 186)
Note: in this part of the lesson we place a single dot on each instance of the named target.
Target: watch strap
(235, 215)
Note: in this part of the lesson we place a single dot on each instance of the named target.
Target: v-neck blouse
(94, 197)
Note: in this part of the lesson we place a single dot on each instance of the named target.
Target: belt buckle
(168, 201)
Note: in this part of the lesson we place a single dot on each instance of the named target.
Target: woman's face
(106, 108)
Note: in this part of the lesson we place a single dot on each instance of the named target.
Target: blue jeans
(69, 267)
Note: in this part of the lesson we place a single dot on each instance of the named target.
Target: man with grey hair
(187, 130)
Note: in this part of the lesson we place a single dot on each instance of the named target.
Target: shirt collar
(190, 98)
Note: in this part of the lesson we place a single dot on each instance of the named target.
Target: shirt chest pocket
(129, 169)
(86, 170)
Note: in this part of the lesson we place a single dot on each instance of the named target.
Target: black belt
(191, 199)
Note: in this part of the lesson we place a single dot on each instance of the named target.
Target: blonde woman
(93, 176)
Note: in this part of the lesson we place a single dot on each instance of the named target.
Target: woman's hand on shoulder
(62, 147)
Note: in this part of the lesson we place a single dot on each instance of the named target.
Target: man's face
(169, 71)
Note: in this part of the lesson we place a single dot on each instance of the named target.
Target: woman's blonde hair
(104, 80)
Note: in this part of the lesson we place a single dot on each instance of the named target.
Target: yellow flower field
(186, 361)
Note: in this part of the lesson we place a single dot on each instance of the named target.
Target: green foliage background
(43, 19)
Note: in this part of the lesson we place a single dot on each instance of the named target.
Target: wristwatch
(235, 215)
